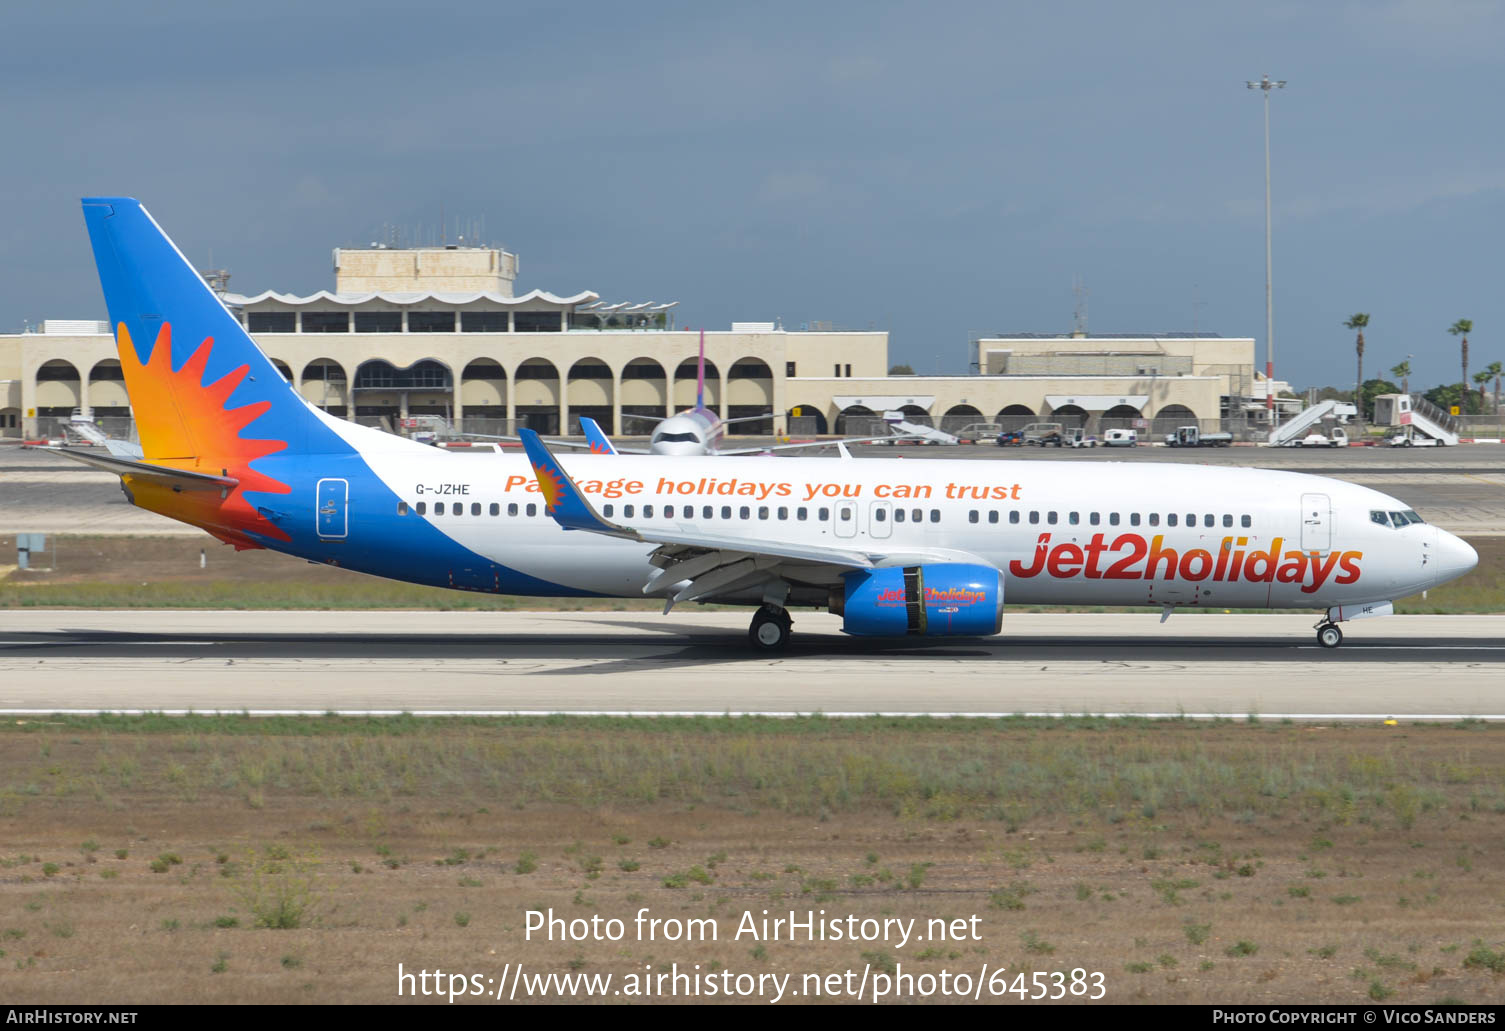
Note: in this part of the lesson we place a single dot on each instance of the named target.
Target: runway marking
(774, 714)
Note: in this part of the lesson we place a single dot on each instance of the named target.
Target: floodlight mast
(1265, 85)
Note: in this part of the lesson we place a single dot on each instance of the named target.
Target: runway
(1197, 664)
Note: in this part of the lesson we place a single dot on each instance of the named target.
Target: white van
(1121, 438)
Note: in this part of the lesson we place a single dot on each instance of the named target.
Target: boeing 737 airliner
(894, 547)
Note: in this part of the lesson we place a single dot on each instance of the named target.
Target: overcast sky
(935, 169)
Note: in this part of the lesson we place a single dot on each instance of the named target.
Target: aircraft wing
(178, 479)
(696, 564)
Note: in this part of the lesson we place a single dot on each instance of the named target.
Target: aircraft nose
(1455, 557)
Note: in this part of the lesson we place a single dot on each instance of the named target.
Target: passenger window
(1228, 521)
(762, 512)
(438, 508)
(606, 510)
(783, 512)
(496, 509)
(1050, 517)
(993, 516)
(972, 516)
(917, 516)
(1034, 518)
(1014, 516)
(647, 511)
(627, 511)
(668, 511)
(801, 513)
(844, 513)
(532, 510)
(475, 508)
(707, 512)
(898, 515)
(935, 515)
(1094, 519)
(1073, 518)
(880, 516)
(745, 512)
(402, 508)
(1112, 518)
(1209, 520)
(512, 509)
(1133, 518)
(823, 514)
(1191, 519)
(726, 511)
(1246, 522)
(1170, 520)
(1154, 518)
(421, 506)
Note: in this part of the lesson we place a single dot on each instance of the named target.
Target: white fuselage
(1109, 533)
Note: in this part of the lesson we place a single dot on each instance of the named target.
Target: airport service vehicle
(1338, 437)
(1121, 438)
(901, 429)
(977, 432)
(1077, 437)
(1402, 440)
(894, 547)
(1036, 432)
(1010, 438)
(1192, 436)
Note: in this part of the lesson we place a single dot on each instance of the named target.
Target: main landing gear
(769, 631)
(1328, 635)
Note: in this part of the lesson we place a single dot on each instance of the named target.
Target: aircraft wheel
(1329, 636)
(770, 629)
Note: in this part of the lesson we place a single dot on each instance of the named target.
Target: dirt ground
(136, 867)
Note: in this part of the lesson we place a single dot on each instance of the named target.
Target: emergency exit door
(1316, 522)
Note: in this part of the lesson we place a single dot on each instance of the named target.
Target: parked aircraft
(896, 548)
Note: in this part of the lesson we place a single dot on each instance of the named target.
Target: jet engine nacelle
(948, 599)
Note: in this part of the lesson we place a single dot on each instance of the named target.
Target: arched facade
(483, 389)
(590, 389)
(749, 393)
(1069, 416)
(644, 392)
(684, 385)
(806, 419)
(324, 382)
(107, 396)
(1169, 417)
(536, 395)
(865, 419)
(59, 390)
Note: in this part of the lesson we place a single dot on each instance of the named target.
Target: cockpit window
(1414, 517)
(687, 438)
(1379, 517)
(1395, 519)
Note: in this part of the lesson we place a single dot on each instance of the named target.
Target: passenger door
(1316, 523)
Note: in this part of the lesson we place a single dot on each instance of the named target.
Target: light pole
(1264, 85)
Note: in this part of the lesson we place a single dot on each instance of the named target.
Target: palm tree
(1482, 378)
(1358, 322)
(1403, 373)
(1496, 370)
(1462, 328)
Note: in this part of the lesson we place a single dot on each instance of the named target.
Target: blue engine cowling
(949, 599)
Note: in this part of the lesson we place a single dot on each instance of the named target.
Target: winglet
(563, 501)
(600, 443)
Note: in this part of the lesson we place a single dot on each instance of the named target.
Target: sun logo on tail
(550, 485)
(186, 424)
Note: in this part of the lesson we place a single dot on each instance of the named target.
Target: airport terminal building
(427, 337)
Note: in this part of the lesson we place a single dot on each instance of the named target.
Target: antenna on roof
(1079, 308)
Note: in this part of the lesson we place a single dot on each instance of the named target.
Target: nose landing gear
(770, 628)
(1329, 635)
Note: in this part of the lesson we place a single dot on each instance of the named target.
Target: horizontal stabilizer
(178, 479)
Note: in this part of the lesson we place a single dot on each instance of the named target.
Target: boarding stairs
(1293, 432)
(1433, 421)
